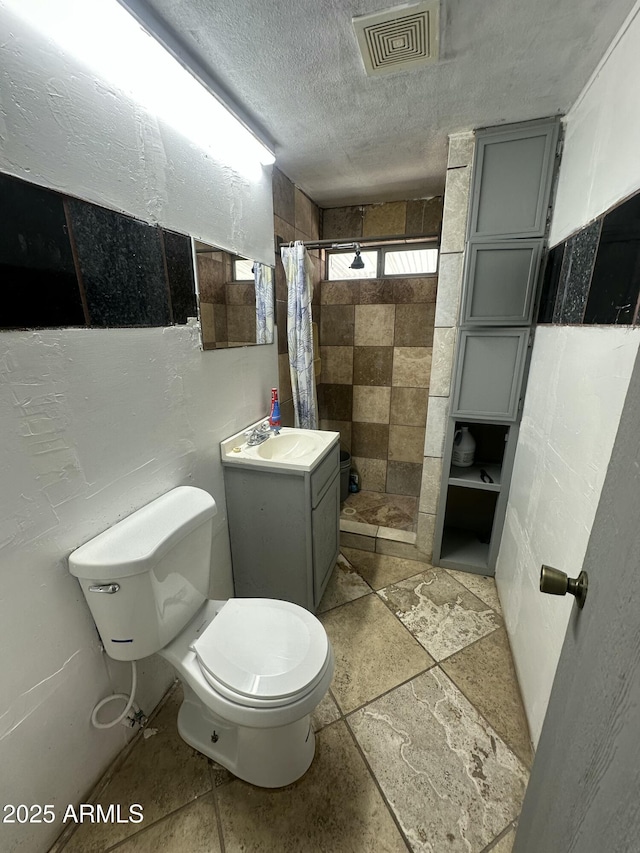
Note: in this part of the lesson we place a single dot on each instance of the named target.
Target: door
(584, 793)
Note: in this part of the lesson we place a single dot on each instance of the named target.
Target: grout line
(216, 806)
(486, 719)
(162, 819)
(378, 786)
(390, 690)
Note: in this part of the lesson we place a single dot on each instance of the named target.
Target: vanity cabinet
(284, 527)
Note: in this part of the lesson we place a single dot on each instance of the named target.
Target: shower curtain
(297, 267)
(263, 280)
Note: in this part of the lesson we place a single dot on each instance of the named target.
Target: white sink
(288, 446)
(297, 449)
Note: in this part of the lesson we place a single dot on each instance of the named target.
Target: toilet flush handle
(108, 588)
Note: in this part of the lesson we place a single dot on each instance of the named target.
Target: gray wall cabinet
(513, 173)
(489, 374)
(284, 529)
(501, 281)
(508, 216)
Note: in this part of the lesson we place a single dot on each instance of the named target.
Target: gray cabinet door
(325, 531)
(500, 283)
(489, 374)
(512, 180)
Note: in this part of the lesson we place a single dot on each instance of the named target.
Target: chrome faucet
(258, 434)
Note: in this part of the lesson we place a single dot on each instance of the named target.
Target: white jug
(464, 448)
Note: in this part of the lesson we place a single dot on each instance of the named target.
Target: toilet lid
(263, 647)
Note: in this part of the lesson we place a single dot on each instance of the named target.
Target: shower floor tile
(378, 508)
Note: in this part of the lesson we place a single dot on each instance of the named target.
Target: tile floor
(397, 511)
(422, 743)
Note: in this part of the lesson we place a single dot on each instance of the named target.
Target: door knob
(555, 582)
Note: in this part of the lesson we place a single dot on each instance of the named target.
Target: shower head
(358, 263)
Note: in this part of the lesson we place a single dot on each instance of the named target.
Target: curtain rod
(361, 241)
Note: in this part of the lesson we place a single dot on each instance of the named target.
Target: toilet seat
(261, 652)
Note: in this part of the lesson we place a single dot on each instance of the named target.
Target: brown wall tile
(424, 216)
(283, 197)
(415, 289)
(239, 293)
(343, 427)
(220, 321)
(406, 444)
(281, 323)
(284, 231)
(337, 365)
(403, 478)
(414, 325)
(207, 323)
(337, 323)
(374, 325)
(382, 220)
(432, 217)
(287, 417)
(376, 292)
(370, 440)
(335, 402)
(338, 292)
(372, 365)
(342, 223)
(409, 407)
(411, 367)
(284, 378)
(371, 403)
(241, 323)
(307, 217)
(372, 472)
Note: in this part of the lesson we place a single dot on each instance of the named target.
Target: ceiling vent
(398, 39)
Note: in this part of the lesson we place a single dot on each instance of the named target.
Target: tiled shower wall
(296, 217)
(376, 340)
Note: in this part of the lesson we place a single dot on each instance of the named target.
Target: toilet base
(267, 757)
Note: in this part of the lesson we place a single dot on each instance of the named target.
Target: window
(409, 262)
(242, 270)
(384, 262)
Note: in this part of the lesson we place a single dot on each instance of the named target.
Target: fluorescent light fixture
(105, 37)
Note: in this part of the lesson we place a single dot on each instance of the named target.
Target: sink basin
(287, 446)
(292, 449)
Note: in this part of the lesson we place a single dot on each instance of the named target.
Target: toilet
(252, 669)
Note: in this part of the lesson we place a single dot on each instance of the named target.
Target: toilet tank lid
(134, 544)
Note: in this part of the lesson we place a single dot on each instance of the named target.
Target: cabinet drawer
(324, 473)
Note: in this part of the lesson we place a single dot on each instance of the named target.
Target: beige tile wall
(376, 340)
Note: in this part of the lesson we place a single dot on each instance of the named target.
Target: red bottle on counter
(274, 415)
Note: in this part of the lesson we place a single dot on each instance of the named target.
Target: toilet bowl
(253, 670)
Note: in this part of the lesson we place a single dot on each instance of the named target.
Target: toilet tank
(145, 577)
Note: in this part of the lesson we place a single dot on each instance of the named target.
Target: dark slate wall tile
(550, 283)
(39, 284)
(182, 286)
(575, 275)
(122, 267)
(615, 286)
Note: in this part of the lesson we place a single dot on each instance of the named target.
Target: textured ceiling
(346, 138)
